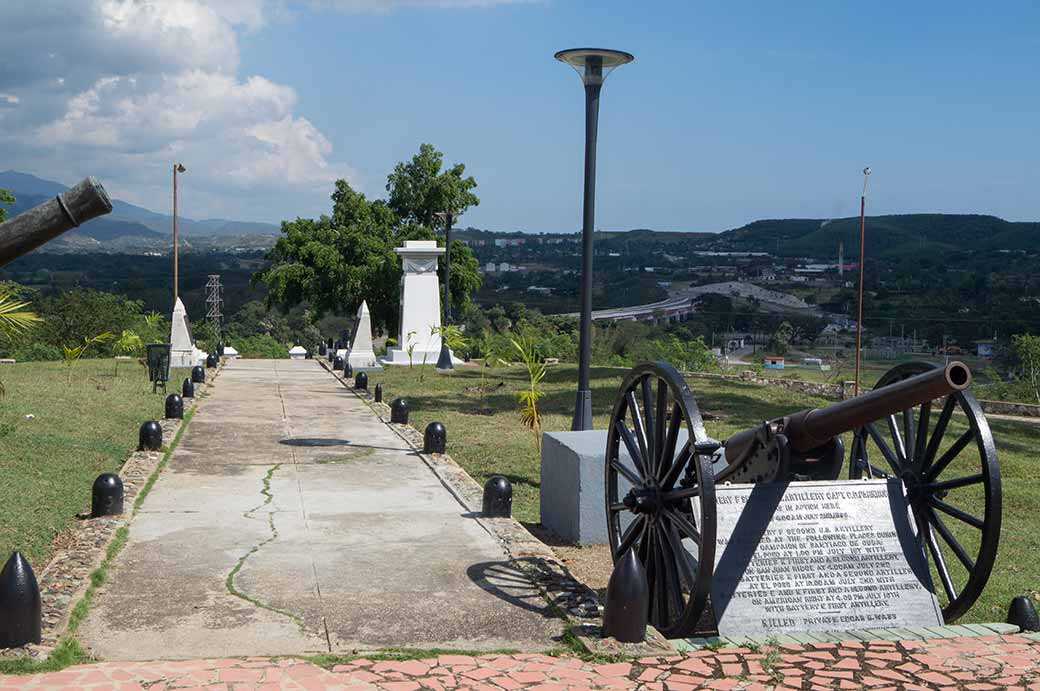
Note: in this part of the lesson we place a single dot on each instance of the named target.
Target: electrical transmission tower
(214, 300)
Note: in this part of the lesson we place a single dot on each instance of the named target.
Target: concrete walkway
(292, 521)
(985, 663)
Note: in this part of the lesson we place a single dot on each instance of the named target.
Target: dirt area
(590, 564)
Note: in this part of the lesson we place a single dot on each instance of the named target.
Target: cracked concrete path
(292, 521)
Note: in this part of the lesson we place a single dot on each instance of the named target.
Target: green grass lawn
(48, 464)
(487, 438)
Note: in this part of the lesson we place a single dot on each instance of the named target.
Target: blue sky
(730, 112)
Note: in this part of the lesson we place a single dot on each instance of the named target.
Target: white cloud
(123, 88)
(388, 5)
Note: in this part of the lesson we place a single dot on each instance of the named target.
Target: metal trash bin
(158, 365)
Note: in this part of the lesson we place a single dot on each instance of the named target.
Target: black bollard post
(498, 498)
(187, 389)
(175, 407)
(444, 363)
(322, 350)
(348, 371)
(435, 438)
(379, 393)
(399, 411)
(361, 381)
(212, 360)
(1023, 614)
(150, 436)
(106, 496)
(21, 611)
(628, 600)
(337, 364)
(220, 349)
(198, 375)
(332, 355)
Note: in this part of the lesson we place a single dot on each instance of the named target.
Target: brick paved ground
(971, 664)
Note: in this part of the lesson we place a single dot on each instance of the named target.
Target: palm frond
(14, 317)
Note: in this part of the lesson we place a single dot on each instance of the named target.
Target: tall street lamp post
(448, 217)
(592, 65)
(862, 265)
(177, 168)
(444, 359)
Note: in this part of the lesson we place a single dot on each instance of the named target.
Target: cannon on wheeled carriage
(660, 499)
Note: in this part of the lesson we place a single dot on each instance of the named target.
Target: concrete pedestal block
(572, 485)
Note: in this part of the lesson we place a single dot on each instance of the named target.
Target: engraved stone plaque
(818, 556)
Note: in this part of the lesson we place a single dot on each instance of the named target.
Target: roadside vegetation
(56, 436)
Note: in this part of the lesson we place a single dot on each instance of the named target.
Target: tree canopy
(7, 198)
(418, 189)
(334, 262)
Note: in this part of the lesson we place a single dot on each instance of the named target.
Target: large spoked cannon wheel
(660, 493)
(952, 482)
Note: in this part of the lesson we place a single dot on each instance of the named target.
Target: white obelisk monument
(183, 352)
(420, 304)
(361, 355)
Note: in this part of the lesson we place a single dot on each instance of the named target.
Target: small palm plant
(74, 353)
(410, 346)
(14, 317)
(528, 398)
(129, 343)
(452, 337)
(494, 356)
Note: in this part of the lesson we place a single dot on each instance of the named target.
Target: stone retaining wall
(1011, 408)
(837, 392)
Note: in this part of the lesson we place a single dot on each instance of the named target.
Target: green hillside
(896, 235)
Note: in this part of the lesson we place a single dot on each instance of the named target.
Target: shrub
(37, 352)
(261, 346)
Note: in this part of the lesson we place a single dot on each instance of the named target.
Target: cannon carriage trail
(292, 521)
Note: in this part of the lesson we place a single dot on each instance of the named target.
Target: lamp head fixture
(594, 64)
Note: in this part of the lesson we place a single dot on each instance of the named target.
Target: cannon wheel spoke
(886, 450)
(668, 460)
(949, 469)
(640, 434)
(674, 539)
(897, 440)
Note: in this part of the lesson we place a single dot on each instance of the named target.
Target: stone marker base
(399, 356)
(572, 488)
(187, 358)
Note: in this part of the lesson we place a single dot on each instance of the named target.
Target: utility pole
(862, 264)
(177, 168)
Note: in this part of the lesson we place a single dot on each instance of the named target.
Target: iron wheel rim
(673, 516)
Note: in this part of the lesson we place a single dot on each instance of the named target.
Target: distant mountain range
(132, 228)
(127, 221)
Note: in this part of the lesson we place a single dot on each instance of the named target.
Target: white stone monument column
(420, 304)
(183, 352)
(361, 355)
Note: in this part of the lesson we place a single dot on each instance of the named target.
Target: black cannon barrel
(30, 229)
(812, 428)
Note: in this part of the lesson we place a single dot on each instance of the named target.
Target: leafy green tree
(418, 188)
(780, 341)
(1026, 348)
(5, 198)
(334, 262)
(79, 315)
